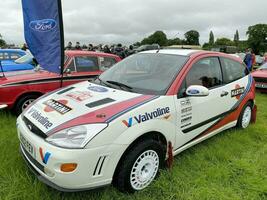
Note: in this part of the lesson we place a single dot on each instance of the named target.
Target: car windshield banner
(43, 30)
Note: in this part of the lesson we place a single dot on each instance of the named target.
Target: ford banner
(43, 30)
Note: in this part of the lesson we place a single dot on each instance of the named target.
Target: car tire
(245, 116)
(23, 102)
(140, 166)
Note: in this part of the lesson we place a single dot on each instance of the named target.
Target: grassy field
(231, 165)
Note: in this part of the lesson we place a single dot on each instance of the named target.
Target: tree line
(257, 39)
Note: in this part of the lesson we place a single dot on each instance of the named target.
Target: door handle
(224, 93)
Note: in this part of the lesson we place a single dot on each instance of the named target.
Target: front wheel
(140, 166)
(245, 116)
(24, 102)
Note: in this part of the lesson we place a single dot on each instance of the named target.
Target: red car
(19, 89)
(260, 77)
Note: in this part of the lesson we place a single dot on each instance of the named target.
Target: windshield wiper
(120, 84)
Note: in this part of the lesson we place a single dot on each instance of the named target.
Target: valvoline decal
(44, 156)
(43, 25)
(147, 116)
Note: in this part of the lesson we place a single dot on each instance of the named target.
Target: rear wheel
(245, 116)
(140, 166)
(24, 102)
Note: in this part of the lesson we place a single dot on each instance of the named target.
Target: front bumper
(95, 166)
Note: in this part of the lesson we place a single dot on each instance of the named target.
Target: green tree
(211, 39)
(224, 42)
(175, 41)
(236, 37)
(159, 37)
(192, 37)
(257, 38)
(2, 41)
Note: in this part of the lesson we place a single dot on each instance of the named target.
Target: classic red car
(19, 89)
(260, 77)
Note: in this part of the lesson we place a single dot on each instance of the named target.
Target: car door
(81, 68)
(197, 114)
(236, 81)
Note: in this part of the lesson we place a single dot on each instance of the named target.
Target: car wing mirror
(197, 91)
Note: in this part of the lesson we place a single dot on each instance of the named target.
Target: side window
(5, 56)
(71, 66)
(1, 56)
(106, 63)
(206, 72)
(233, 70)
(86, 64)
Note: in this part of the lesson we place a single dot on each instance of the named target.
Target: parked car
(260, 76)
(19, 89)
(11, 54)
(122, 127)
(26, 62)
(147, 47)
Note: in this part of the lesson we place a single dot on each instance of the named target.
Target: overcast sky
(128, 21)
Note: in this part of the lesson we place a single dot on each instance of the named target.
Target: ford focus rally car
(122, 127)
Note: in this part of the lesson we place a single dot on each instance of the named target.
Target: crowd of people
(119, 50)
(250, 59)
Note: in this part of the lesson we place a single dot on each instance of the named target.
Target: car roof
(181, 52)
(12, 50)
(192, 53)
(83, 52)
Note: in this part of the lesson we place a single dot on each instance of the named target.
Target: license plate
(258, 85)
(27, 146)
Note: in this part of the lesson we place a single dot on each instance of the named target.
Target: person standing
(77, 46)
(248, 59)
(69, 46)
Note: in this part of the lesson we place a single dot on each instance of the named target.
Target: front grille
(32, 160)
(34, 129)
(260, 80)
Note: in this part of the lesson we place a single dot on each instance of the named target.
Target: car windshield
(145, 73)
(24, 59)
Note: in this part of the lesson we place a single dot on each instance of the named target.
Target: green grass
(231, 165)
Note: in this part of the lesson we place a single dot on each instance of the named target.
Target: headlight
(76, 137)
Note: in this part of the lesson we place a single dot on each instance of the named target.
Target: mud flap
(254, 114)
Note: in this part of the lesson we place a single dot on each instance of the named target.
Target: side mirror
(197, 91)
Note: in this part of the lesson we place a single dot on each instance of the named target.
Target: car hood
(260, 73)
(82, 103)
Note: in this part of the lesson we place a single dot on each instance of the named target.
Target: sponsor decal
(43, 25)
(45, 157)
(147, 116)
(98, 89)
(186, 125)
(237, 92)
(185, 120)
(185, 102)
(79, 95)
(60, 106)
(37, 116)
(185, 110)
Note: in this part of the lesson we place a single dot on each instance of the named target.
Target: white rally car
(122, 127)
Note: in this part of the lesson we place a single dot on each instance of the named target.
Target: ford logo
(43, 25)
